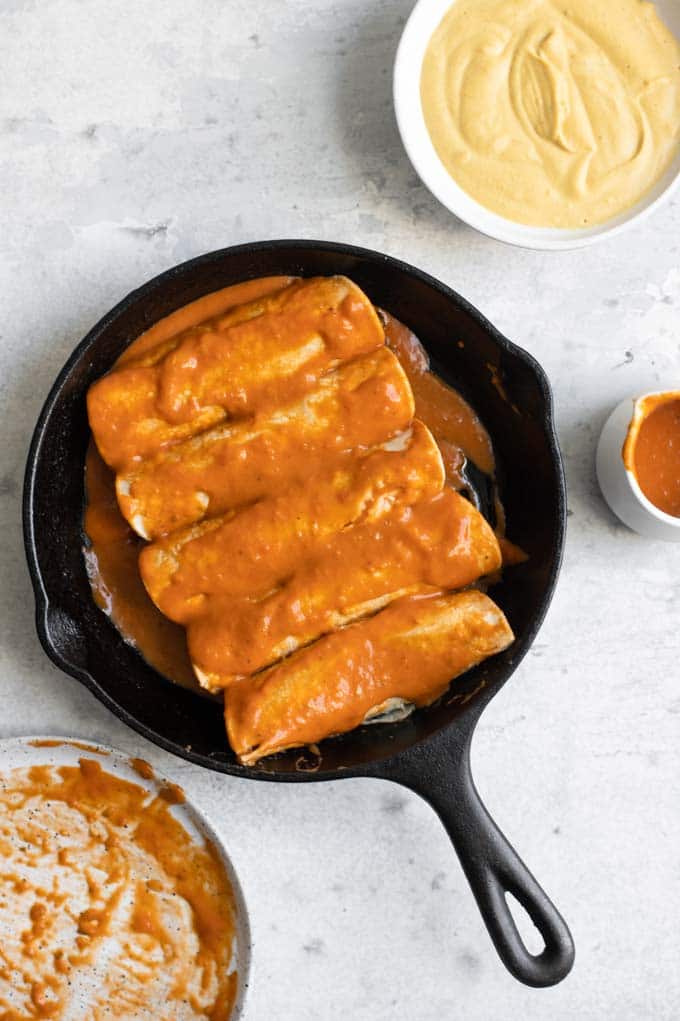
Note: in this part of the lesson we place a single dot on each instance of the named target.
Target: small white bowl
(619, 486)
(424, 19)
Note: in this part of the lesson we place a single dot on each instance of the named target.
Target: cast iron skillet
(429, 752)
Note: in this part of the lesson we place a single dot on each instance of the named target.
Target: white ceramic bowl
(619, 486)
(422, 22)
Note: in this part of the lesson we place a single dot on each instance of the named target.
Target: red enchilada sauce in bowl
(652, 451)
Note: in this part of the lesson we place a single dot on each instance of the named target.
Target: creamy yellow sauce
(553, 114)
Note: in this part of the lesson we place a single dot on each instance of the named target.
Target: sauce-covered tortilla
(362, 403)
(266, 351)
(251, 549)
(441, 543)
(407, 653)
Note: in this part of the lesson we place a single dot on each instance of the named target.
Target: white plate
(422, 22)
(17, 753)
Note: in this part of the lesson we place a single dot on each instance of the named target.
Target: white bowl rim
(416, 140)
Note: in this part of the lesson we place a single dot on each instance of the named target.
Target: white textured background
(137, 134)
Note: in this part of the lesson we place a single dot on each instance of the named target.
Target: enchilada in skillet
(298, 519)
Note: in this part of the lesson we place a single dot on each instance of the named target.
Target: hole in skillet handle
(439, 771)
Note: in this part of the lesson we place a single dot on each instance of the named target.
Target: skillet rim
(465, 723)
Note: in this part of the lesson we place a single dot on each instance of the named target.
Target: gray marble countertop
(136, 135)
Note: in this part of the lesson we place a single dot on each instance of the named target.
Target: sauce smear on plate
(111, 908)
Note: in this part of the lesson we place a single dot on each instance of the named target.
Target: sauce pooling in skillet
(112, 548)
(111, 556)
(453, 423)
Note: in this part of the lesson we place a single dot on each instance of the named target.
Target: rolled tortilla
(407, 653)
(261, 353)
(440, 543)
(251, 550)
(359, 405)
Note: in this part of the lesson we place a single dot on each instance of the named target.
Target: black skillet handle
(492, 866)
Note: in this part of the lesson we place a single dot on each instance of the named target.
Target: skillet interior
(505, 386)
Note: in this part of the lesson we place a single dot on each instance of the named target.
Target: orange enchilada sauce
(113, 903)
(652, 452)
(112, 548)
